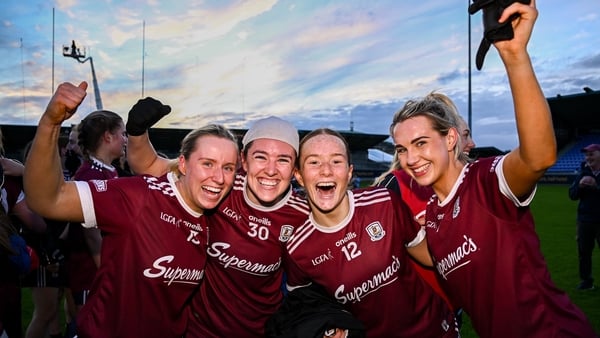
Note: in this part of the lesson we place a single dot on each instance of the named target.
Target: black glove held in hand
(144, 114)
(492, 30)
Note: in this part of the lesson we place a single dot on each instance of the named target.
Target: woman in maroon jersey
(154, 236)
(356, 244)
(102, 139)
(416, 196)
(479, 227)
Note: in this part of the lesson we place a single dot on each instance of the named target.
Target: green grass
(555, 221)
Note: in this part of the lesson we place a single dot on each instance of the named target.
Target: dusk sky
(314, 63)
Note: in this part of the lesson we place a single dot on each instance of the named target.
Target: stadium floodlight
(78, 53)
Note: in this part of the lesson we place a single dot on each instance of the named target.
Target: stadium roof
(171, 138)
(165, 139)
(576, 110)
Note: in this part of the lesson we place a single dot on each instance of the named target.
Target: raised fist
(144, 114)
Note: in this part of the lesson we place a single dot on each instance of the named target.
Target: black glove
(144, 114)
(493, 30)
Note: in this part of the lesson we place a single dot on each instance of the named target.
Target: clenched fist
(144, 114)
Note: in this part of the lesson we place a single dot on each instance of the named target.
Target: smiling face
(269, 166)
(592, 159)
(207, 174)
(423, 152)
(324, 172)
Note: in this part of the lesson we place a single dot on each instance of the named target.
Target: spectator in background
(73, 157)
(14, 205)
(14, 262)
(154, 237)
(586, 189)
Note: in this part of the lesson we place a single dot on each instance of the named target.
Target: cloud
(589, 17)
(322, 33)
(590, 62)
(315, 63)
(450, 76)
(65, 5)
(119, 36)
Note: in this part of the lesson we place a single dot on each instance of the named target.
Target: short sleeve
(87, 204)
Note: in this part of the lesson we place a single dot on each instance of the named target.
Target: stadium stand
(168, 141)
(576, 120)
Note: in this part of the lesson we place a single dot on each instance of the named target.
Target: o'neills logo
(458, 258)
(173, 274)
(379, 280)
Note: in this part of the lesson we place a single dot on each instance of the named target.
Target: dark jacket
(308, 312)
(588, 210)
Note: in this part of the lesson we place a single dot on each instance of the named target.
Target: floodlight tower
(469, 99)
(79, 54)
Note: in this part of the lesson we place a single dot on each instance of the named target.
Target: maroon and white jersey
(488, 258)
(80, 265)
(153, 257)
(242, 286)
(95, 169)
(363, 263)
